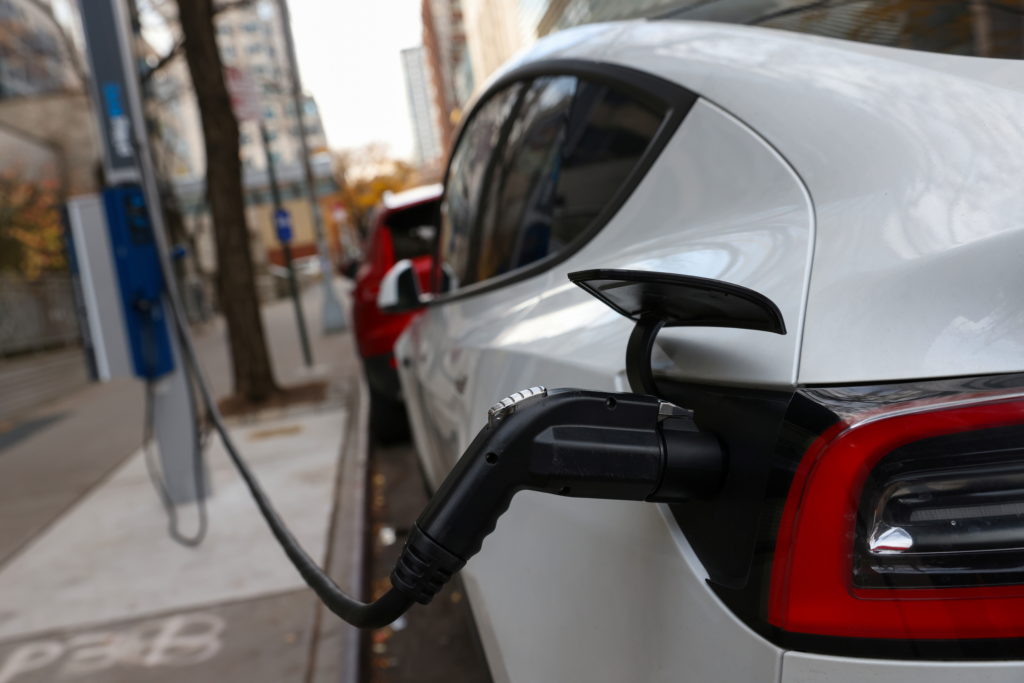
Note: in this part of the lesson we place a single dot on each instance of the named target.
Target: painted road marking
(175, 641)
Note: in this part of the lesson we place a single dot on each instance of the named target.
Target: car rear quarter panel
(800, 667)
(913, 162)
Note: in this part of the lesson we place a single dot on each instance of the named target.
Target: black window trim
(504, 130)
(645, 87)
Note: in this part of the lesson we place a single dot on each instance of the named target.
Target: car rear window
(413, 230)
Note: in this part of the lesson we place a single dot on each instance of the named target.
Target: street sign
(283, 223)
(339, 214)
(246, 96)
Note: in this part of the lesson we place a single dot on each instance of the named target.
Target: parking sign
(283, 223)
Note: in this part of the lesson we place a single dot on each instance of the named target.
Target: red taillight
(834, 576)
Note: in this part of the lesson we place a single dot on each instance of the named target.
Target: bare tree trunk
(254, 378)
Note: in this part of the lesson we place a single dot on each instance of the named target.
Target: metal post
(293, 284)
(333, 315)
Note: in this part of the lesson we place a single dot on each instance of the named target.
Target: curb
(337, 646)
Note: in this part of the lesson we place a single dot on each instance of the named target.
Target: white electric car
(870, 525)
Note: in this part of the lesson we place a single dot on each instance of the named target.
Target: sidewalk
(93, 589)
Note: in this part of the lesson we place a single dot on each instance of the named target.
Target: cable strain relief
(424, 567)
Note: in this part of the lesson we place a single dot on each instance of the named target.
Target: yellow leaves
(31, 234)
(366, 173)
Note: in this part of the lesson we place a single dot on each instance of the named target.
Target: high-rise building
(421, 110)
(42, 99)
(250, 37)
(451, 74)
(495, 30)
(494, 33)
(33, 58)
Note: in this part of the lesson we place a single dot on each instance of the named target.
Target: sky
(348, 53)
(349, 58)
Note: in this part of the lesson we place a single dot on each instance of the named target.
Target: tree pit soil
(236, 405)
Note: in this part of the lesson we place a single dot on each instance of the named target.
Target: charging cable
(566, 442)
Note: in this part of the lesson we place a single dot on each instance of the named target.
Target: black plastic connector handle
(566, 442)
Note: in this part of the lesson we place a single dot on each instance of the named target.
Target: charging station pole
(127, 162)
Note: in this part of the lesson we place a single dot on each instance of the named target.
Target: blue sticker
(112, 98)
(283, 223)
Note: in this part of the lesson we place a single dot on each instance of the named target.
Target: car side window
(519, 203)
(465, 178)
(569, 149)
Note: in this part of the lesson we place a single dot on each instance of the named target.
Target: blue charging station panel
(140, 280)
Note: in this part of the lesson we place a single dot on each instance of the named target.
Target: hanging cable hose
(379, 613)
(567, 442)
(145, 307)
(155, 476)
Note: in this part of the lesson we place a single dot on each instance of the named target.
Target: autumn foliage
(366, 173)
(31, 233)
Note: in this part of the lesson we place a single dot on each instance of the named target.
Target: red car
(404, 227)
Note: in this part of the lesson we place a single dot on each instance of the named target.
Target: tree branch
(180, 44)
(165, 60)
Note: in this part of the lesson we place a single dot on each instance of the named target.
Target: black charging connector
(567, 442)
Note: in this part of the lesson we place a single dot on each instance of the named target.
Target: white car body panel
(800, 667)
(911, 204)
(718, 203)
(570, 589)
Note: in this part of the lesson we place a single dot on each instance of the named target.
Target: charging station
(118, 240)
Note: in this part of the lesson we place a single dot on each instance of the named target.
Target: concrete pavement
(110, 559)
(91, 587)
